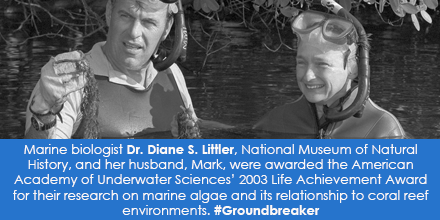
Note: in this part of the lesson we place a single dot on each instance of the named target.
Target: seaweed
(188, 125)
(90, 102)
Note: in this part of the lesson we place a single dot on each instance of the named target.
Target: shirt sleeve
(181, 84)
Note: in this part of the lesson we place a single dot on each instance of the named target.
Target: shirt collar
(101, 63)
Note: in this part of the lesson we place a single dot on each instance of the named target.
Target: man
(326, 68)
(134, 98)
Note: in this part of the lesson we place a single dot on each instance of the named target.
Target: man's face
(321, 75)
(135, 31)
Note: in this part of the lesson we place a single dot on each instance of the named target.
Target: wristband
(48, 113)
(40, 126)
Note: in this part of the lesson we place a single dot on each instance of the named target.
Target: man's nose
(310, 74)
(136, 29)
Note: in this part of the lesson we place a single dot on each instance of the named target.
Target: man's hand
(190, 121)
(185, 125)
(62, 75)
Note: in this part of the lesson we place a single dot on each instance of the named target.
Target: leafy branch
(34, 10)
(209, 48)
(84, 20)
(276, 11)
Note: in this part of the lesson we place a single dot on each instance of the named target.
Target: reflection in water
(244, 80)
(404, 79)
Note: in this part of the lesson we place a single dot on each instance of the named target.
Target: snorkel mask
(164, 60)
(327, 31)
(338, 33)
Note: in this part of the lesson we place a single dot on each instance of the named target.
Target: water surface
(244, 80)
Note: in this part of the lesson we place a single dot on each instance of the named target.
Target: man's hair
(109, 10)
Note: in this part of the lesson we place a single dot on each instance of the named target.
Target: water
(243, 80)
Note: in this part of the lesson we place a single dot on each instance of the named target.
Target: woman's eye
(323, 64)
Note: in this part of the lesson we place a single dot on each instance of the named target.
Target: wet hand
(185, 124)
(62, 75)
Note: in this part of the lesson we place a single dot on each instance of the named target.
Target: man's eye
(148, 23)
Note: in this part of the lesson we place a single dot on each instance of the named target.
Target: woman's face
(321, 75)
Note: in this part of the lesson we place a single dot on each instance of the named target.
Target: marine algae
(187, 125)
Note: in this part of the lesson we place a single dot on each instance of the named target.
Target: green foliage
(54, 18)
(279, 10)
(206, 5)
(83, 18)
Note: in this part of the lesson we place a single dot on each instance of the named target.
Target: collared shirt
(100, 65)
(98, 61)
